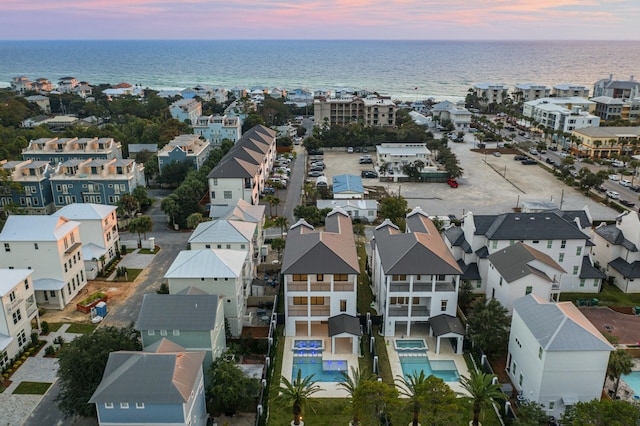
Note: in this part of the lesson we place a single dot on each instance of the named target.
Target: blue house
(163, 385)
(35, 194)
(59, 150)
(189, 148)
(347, 187)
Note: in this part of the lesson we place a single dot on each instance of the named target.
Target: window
(26, 283)
(575, 270)
(213, 195)
(140, 405)
(443, 305)
(228, 195)
(163, 332)
(7, 247)
(500, 281)
(299, 277)
(108, 405)
(298, 300)
(540, 352)
(316, 300)
(515, 367)
(341, 277)
(343, 306)
(242, 246)
(561, 257)
(596, 283)
(582, 282)
(124, 405)
(399, 277)
(35, 246)
(151, 332)
(549, 243)
(578, 251)
(520, 380)
(22, 338)
(215, 181)
(65, 266)
(228, 246)
(12, 296)
(494, 244)
(551, 405)
(528, 290)
(17, 316)
(176, 332)
(563, 244)
(536, 241)
(207, 246)
(52, 293)
(219, 246)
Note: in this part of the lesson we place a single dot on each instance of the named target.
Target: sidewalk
(16, 408)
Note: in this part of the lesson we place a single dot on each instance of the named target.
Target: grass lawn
(54, 326)
(132, 274)
(32, 388)
(81, 328)
(365, 296)
(383, 360)
(609, 296)
(147, 251)
(322, 412)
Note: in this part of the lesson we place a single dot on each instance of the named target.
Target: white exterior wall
(507, 293)
(238, 191)
(232, 289)
(24, 301)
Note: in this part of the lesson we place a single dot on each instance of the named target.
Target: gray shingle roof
(443, 324)
(455, 235)
(514, 262)
(589, 271)
(559, 326)
(614, 235)
(533, 226)
(344, 323)
(178, 312)
(245, 158)
(628, 270)
(470, 272)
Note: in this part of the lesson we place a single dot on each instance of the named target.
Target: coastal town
(271, 256)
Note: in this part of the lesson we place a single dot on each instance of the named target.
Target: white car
(614, 177)
(613, 195)
(625, 182)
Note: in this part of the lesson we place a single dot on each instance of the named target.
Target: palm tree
(620, 363)
(350, 384)
(482, 390)
(281, 222)
(413, 388)
(297, 394)
(141, 225)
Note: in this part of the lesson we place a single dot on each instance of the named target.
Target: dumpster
(101, 309)
(594, 302)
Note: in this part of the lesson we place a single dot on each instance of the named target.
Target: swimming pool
(323, 371)
(410, 344)
(444, 369)
(633, 380)
(308, 345)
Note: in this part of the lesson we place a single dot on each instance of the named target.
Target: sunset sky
(321, 19)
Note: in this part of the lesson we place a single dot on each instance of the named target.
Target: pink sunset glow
(314, 19)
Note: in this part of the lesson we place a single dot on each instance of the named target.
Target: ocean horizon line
(466, 40)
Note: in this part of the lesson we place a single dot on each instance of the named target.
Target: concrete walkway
(16, 408)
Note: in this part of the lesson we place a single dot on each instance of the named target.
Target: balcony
(403, 311)
(302, 286)
(301, 311)
(403, 287)
(32, 309)
(343, 286)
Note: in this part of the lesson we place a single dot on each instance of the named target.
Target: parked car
(520, 157)
(316, 152)
(553, 148)
(625, 182)
(614, 178)
(602, 188)
(365, 150)
(627, 203)
(316, 169)
(315, 174)
(369, 174)
(366, 161)
(496, 154)
(350, 150)
(268, 190)
(453, 183)
(549, 161)
(613, 195)
(635, 188)
(533, 151)
(528, 162)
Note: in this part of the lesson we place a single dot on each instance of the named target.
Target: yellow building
(604, 142)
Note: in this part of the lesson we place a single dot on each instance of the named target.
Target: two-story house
(184, 148)
(59, 150)
(562, 235)
(459, 116)
(163, 385)
(223, 272)
(320, 270)
(51, 246)
(33, 190)
(98, 181)
(192, 319)
(98, 233)
(518, 270)
(186, 109)
(556, 356)
(216, 128)
(17, 311)
(244, 170)
(414, 275)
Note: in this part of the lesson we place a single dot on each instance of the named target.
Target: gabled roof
(514, 262)
(589, 271)
(530, 226)
(207, 263)
(456, 238)
(626, 269)
(178, 312)
(247, 212)
(85, 211)
(330, 252)
(344, 323)
(47, 284)
(470, 272)
(36, 228)
(444, 324)
(613, 235)
(9, 278)
(232, 167)
(559, 326)
(149, 377)
(223, 231)
(414, 253)
(347, 183)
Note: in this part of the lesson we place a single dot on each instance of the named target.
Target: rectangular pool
(308, 345)
(410, 344)
(633, 380)
(323, 371)
(444, 369)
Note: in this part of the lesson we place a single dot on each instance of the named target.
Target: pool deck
(446, 353)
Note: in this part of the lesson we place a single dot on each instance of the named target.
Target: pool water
(307, 345)
(410, 344)
(633, 380)
(443, 369)
(323, 371)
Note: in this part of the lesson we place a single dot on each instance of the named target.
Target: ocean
(402, 69)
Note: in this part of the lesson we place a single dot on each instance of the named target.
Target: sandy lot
(489, 185)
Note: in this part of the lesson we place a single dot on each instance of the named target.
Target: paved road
(294, 189)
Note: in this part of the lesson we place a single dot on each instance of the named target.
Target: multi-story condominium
(98, 233)
(51, 246)
(59, 150)
(184, 148)
(95, 181)
(34, 192)
(616, 250)
(618, 89)
(216, 128)
(570, 91)
(186, 109)
(414, 275)
(43, 85)
(561, 235)
(603, 142)
(320, 270)
(66, 84)
(491, 93)
(564, 114)
(371, 111)
(459, 116)
(244, 170)
(223, 272)
(556, 357)
(17, 310)
(609, 108)
(162, 385)
(396, 155)
(525, 92)
(21, 84)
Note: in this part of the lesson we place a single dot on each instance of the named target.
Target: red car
(453, 183)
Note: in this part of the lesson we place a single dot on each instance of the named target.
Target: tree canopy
(394, 209)
(229, 388)
(488, 326)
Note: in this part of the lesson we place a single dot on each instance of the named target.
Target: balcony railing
(403, 311)
(421, 287)
(319, 286)
(343, 286)
(32, 309)
(301, 311)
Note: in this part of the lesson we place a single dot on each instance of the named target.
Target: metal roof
(347, 183)
(9, 278)
(207, 263)
(223, 231)
(85, 211)
(36, 228)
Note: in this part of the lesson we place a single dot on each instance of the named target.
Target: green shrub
(45, 327)
(34, 338)
(49, 350)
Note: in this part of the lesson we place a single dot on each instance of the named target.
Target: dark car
(601, 188)
(316, 169)
(368, 174)
(316, 152)
(550, 161)
(553, 148)
(366, 161)
(520, 157)
(627, 203)
(635, 188)
(528, 162)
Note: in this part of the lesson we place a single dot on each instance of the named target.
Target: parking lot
(489, 185)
